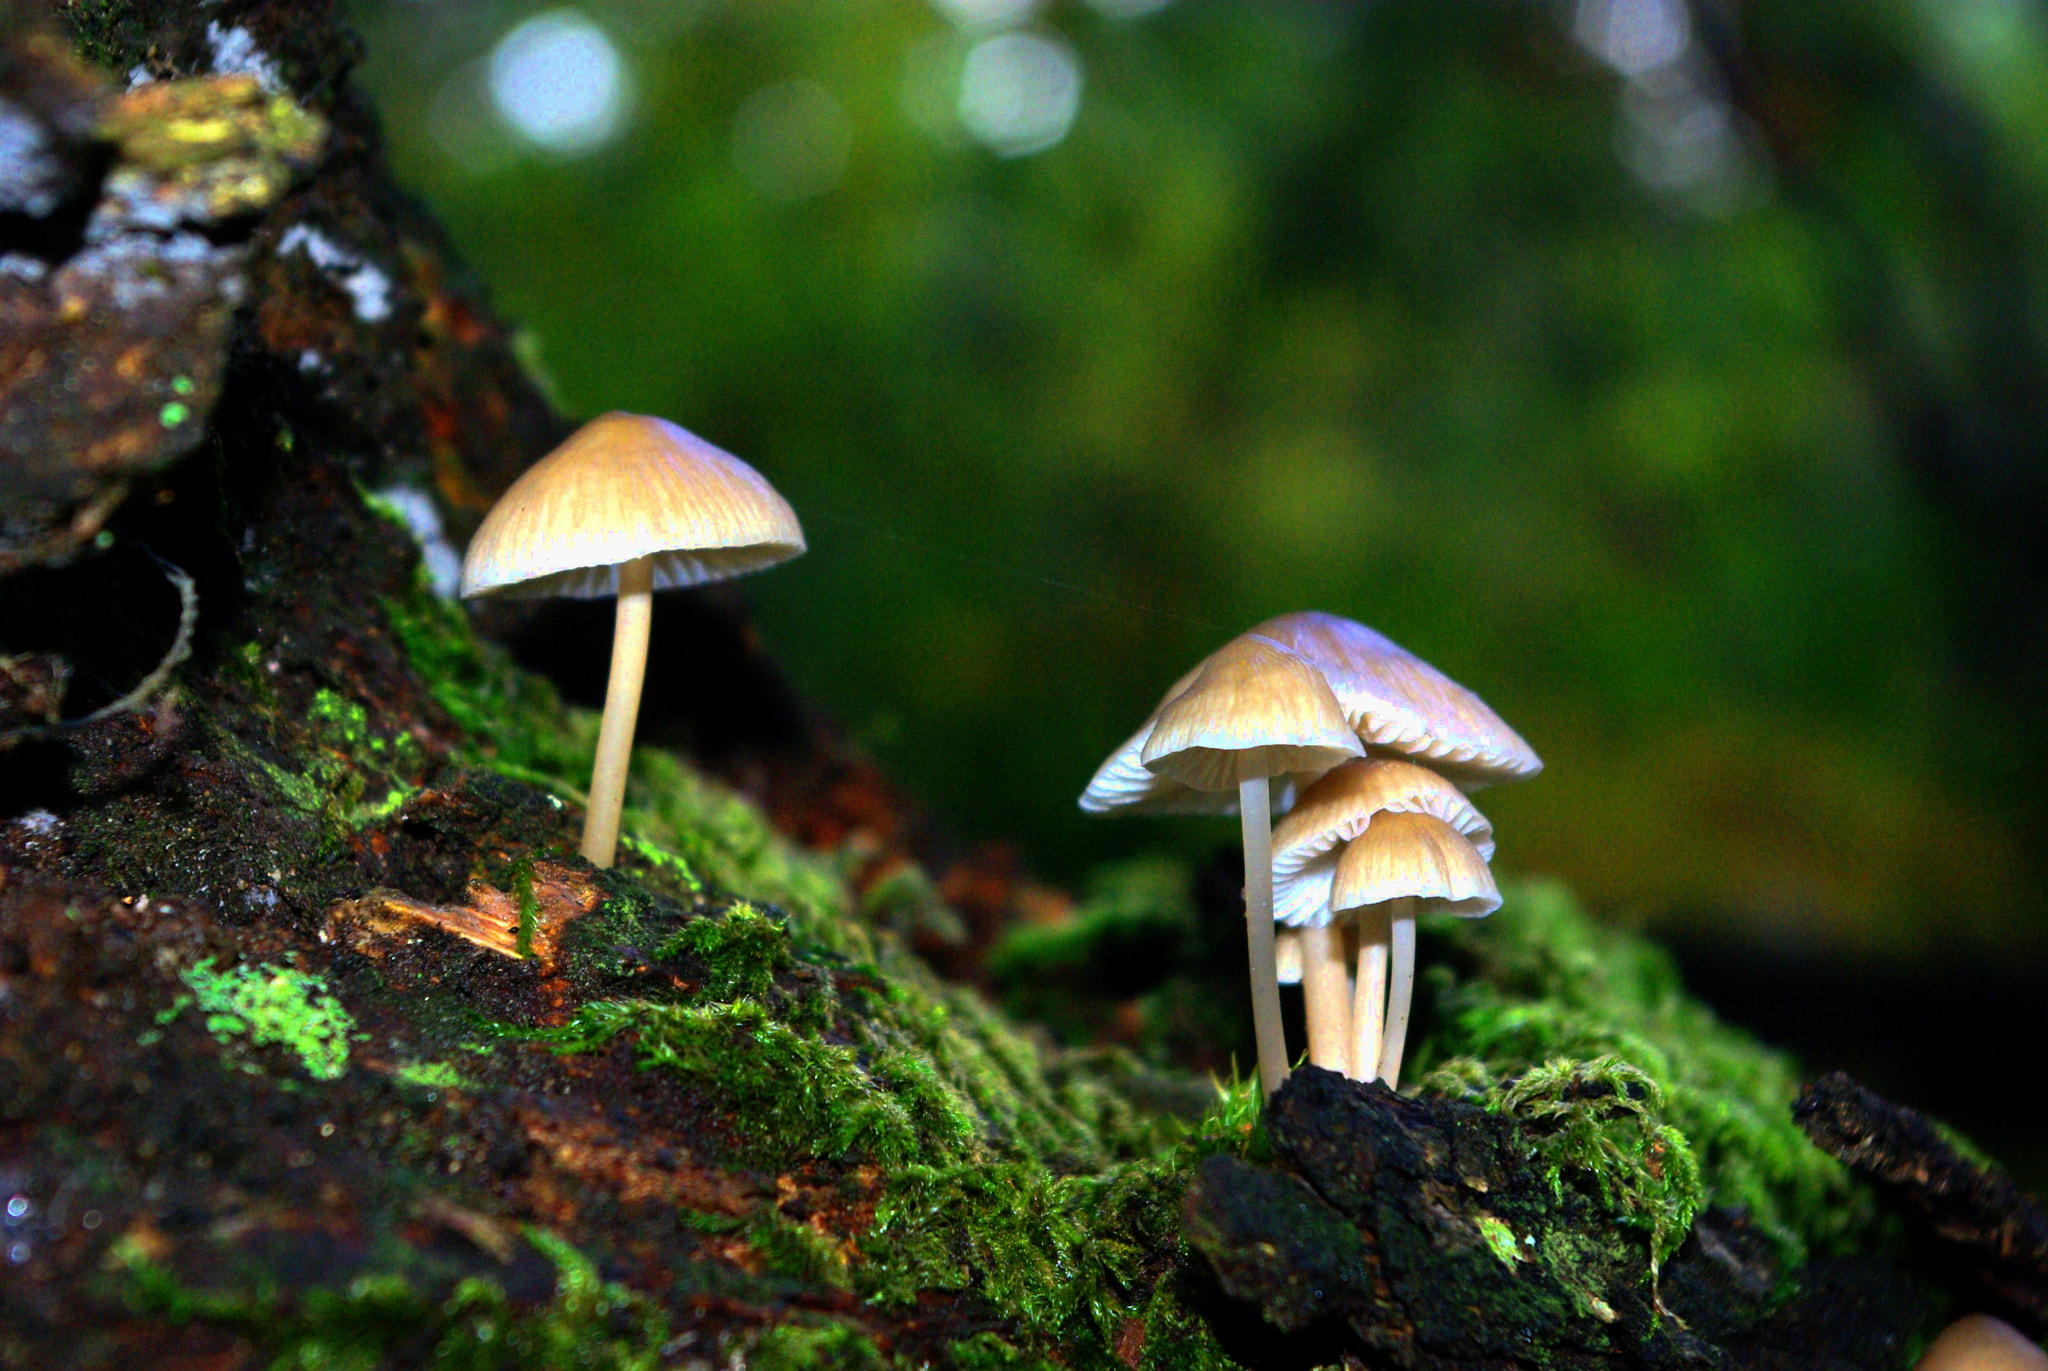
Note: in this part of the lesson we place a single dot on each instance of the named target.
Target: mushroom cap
(1417, 857)
(1978, 1342)
(626, 486)
(1122, 785)
(1399, 703)
(1255, 709)
(1337, 808)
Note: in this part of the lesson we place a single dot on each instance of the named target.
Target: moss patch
(274, 1006)
(1587, 1033)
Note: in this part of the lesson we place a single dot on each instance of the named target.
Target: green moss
(792, 1097)
(1600, 1122)
(798, 1251)
(274, 1006)
(1538, 993)
(383, 1320)
(989, 1352)
(741, 951)
(434, 1076)
(828, 1347)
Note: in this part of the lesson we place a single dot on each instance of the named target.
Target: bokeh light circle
(559, 82)
(1020, 92)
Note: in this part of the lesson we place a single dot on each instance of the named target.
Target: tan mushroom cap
(1978, 1342)
(1254, 710)
(1417, 857)
(1123, 785)
(626, 486)
(1399, 703)
(1339, 807)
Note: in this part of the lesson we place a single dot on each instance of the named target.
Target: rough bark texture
(1430, 1230)
(320, 1046)
(1970, 1216)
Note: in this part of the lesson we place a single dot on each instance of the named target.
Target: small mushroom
(1401, 865)
(1978, 1342)
(1344, 1016)
(628, 505)
(1253, 711)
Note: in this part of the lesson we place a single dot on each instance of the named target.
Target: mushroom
(1402, 864)
(1306, 845)
(628, 505)
(1253, 711)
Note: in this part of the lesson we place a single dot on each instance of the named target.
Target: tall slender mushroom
(628, 505)
(1406, 863)
(1306, 846)
(1253, 711)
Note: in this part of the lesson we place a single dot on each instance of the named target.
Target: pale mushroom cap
(1337, 808)
(1417, 857)
(1122, 784)
(1254, 710)
(626, 486)
(1978, 1342)
(1399, 703)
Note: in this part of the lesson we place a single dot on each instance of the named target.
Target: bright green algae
(274, 1006)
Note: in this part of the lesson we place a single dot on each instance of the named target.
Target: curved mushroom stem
(1326, 996)
(621, 712)
(1369, 1005)
(1254, 807)
(1400, 994)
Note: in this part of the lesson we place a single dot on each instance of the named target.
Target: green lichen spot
(1499, 1239)
(274, 1006)
(173, 414)
(181, 385)
(434, 1076)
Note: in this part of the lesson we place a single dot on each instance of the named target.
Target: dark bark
(1989, 1235)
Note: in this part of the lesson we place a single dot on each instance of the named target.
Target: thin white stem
(1254, 805)
(621, 712)
(1400, 994)
(1326, 997)
(1369, 1003)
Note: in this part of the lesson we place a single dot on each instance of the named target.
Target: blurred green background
(1671, 373)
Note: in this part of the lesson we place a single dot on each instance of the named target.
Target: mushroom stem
(1369, 1005)
(621, 711)
(1400, 994)
(1326, 996)
(1254, 807)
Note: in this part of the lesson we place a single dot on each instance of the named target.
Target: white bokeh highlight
(559, 83)
(1676, 131)
(985, 15)
(1019, 92)
(1633, 36)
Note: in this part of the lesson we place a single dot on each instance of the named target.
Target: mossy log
(320, 1046)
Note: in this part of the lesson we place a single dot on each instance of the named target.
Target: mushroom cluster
(1381, 747)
